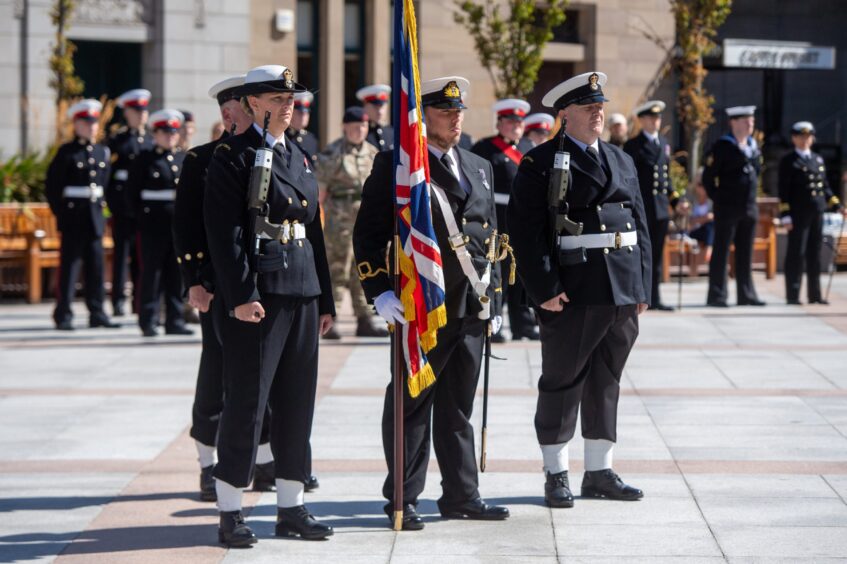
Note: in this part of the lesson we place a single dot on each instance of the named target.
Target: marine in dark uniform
(504, 151)
(152, 186)
(537, 127)
(297, 132)
(652, 156)
(198, 278)
(374, 99)
(125, 145)
(465, 142)
(277, 303)
(74, 188)
(731, 179)
(444, 408)
(588, 289)
(804, 195)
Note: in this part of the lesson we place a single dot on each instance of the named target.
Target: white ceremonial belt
(501, 199)
(158, 195)
(87, 192)
(599, 240)
(290, 231)
(121, 174)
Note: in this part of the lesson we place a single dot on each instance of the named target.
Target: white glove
(389, 307)
(496, 324)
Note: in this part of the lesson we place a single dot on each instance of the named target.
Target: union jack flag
(421, 274)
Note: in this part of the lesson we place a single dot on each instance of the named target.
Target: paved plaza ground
(733, 422)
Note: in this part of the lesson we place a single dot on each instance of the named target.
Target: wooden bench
(30, 243)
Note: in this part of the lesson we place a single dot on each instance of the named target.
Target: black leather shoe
(365, 327)
(717, 304)
(263, 478)
(178, 330)
(531, 334)
(149, 331)
(819, 301)
(557, 490)
(332, 334)
(751, 303)
(605, 483)
(297, 521)
(411, 520)
(64, 326)
(793, 302)
(118, 309)
(103, 321)
(233, 531)
(312, 484)
(476, 509)
(207, 484)
(661, 307)
(498, 338)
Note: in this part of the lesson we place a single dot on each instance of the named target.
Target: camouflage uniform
(342, 170)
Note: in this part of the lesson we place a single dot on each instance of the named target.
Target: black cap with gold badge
(444, 93)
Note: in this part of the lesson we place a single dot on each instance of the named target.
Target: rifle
(257, 195)
(557, 190)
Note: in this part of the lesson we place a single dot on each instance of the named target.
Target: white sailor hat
(303, 101)
(803, 128)
(651, 107)
(374, 94)
(740, 111)
(167, 119)
(616, 118)
(444, 92)
(269, 78)
(88, 110)
(511, 107)
(224, 91)
(538, 122)
(135, 98)
(583, 89)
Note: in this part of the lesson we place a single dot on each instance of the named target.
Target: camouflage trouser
(340, 216)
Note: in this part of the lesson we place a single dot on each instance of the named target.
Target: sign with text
(749, 53)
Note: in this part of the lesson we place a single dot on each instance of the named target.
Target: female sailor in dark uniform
(272, 274)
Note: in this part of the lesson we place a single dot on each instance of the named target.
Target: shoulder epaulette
(528, 159)
(222, 146)
(190, 154)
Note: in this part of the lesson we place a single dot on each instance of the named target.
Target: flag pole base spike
(398, 520)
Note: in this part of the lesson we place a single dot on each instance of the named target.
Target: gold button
(467, 239)
(200, 254)
(170, 157)
(304, 203)
(155, 174)
(602, 227)
(599, 208)
(290, 200)
(629, 225)
(655, 167)
(89, 148)
(187, 256)
(102, 165)
(176, 180)
(174, 168)
(92, 173)
(655, 175)
(90, 160)
(488, 240)
(629, 249)
(606, 251)
(299, 242)
(820, 184)
(655, 184)
(665, 167)
(464, 221)
(179, 260)
(80, 164)
(655, 192)
(485, 225)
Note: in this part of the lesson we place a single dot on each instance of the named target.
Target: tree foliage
(697, 23)
(63, 81)
(511, 46)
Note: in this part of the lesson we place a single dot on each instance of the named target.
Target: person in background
(618, 129)
(297, 132)
(74, 189)
(217, 130)
(375, 101)
(701, 226)
(537, 128)
(186, 132)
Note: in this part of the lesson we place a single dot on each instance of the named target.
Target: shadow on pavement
(76, 502)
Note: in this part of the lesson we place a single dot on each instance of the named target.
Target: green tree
(697, 23)
(64, 81)
(511, 47)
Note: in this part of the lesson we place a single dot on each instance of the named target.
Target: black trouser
(583, 353)
(209, 392)
(658, 232)
(739, 230)
(159, 275)
(80, 248)
(273, 363)
(444, 411)
(125, 250)
(804, 246)
(521, 317)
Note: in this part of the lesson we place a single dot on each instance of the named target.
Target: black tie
(595, 156)
(282, 150)
(448, 163)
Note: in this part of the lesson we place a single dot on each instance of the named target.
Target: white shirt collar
(583, 146)
(270, 139)
(804, 154)
(651, 136)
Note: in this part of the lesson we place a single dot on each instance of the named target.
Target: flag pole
(397, 361)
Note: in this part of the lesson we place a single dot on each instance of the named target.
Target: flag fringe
(424, 378)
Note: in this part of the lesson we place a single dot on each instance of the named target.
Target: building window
(568, 32)
(307, 50)
(354, 49)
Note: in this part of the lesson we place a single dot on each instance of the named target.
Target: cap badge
(656, 109)
(288, 76)
(452, 90)
(592, 81)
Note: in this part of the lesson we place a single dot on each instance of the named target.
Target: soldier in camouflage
(342, 169)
